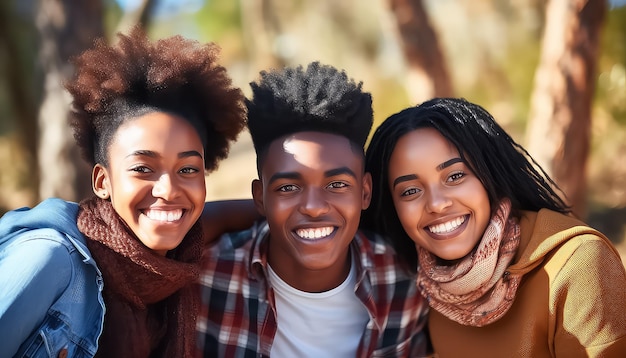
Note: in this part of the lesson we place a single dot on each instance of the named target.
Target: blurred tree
(141, 16)
(66, 28)
(260, 27)
(428, 72)
(17, 38)
(486, 50)
(558, 133)
(607, 163)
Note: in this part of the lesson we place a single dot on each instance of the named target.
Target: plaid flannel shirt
(238, 313)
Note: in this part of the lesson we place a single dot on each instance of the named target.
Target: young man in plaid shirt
(304, 282)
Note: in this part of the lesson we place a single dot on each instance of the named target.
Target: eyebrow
(404, 178)
(328, 173)
(153, 154)
(284, 175)
(339, 171)
(189, 153)
(440, 167)
(448, 163)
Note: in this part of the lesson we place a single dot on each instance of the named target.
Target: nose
(437, 200)
(314, 203)
(165, 187)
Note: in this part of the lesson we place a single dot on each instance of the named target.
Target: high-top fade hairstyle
(117, 83)
(504, 167)
(319, 98)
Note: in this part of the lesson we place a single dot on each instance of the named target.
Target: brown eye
(140, 169)
(189, 170)
(410, 191)
(456, 176)
(337, 185)
(288, 188)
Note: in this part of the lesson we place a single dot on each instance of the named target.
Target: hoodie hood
(52, 213)
(542, 232)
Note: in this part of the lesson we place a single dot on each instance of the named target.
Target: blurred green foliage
(611, 87)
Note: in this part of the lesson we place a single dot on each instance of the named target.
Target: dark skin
(222, 216)
(341, 197)
(312, 192)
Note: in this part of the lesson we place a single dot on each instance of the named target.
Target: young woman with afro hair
(114, 275)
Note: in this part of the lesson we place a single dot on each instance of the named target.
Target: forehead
(421, 146)
(156, 131)
(313, 151)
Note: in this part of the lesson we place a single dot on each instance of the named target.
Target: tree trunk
(66, 28)
(260, 26)
(558, 133)
(142, 16)
(428, 73)
(16, 39)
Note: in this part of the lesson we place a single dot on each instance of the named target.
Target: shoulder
(546, 232)
(379, 257)
(39, 260)
(373, 243)
(569, 251)
(232, 251)
(234, 241)
(400, 309)
(587, 252)
(50, 213)
(48, 210)
(584, 266)
(44, 242)
(47, 289)
(547, 223)
(46, 251)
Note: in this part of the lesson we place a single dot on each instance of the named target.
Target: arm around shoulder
(220, 217)
(34, 272)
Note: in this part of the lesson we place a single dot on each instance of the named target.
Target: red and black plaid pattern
(238, 314)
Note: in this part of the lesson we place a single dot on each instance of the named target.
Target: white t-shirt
(325, 324)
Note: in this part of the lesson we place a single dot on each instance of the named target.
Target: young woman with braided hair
(506, 269)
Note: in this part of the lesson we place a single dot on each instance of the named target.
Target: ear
(257, 196)
(367, 191)
(100, 182)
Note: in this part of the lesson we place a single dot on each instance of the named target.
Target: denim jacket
(50, 287)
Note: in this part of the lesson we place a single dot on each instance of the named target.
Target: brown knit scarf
(151, 303)
(477, 290)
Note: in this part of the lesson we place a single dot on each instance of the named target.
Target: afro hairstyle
(319, 98)
(116, 83)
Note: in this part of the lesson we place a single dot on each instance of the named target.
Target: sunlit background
(491, 50)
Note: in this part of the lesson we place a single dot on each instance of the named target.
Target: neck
(310, 279)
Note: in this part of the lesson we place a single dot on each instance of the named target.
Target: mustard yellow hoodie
(571, 301)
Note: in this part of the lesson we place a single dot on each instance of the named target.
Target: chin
(453, 256)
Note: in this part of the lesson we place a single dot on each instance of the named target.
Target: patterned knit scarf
(151, 304)
(477, 290)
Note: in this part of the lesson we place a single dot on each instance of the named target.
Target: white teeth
(164, 215)
(316, 233)
(447, 227)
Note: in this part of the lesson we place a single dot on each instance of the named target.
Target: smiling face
(312, 190)
(441, 204)
(155, 178)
